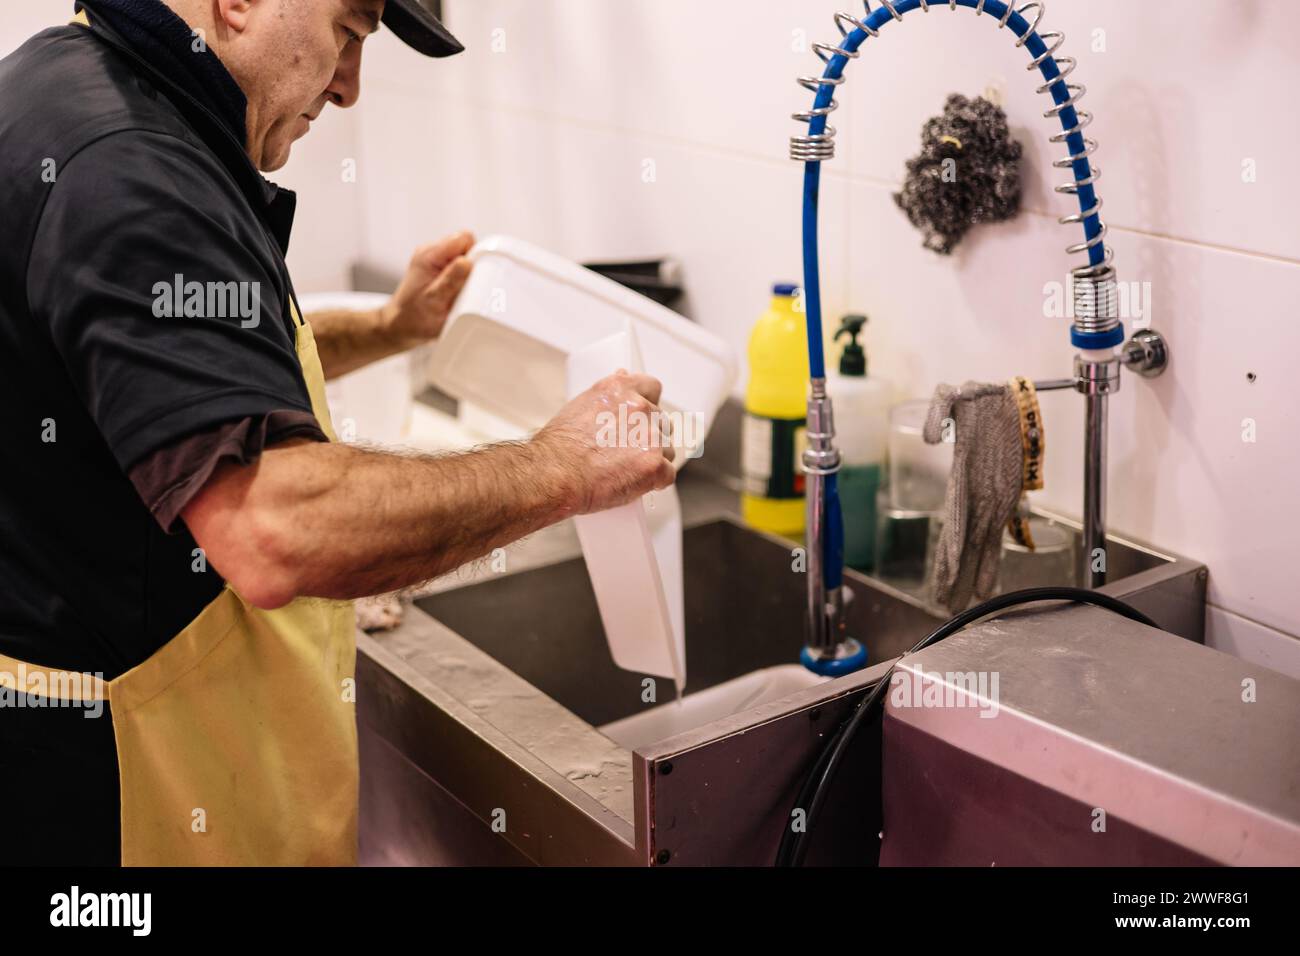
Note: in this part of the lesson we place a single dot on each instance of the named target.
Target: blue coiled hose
(833, 551)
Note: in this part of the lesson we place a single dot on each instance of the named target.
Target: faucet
(1096, 330)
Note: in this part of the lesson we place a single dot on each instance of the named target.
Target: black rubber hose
(794, 845)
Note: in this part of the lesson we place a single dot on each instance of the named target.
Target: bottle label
(771, 456)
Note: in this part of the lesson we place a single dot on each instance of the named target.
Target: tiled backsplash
(603, 129)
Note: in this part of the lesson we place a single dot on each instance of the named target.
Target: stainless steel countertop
(1183, 741)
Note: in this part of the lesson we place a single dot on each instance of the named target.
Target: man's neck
(170, 34)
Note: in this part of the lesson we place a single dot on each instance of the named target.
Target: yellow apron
(237, 740)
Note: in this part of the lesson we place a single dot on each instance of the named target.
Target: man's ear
(234, 14)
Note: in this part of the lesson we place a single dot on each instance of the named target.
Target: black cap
(853, 361)
(419, 29)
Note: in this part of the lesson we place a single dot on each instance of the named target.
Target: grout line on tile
(831, 173)
(1250, 620)
(597, 126)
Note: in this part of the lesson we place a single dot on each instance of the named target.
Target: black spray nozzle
(853, 361)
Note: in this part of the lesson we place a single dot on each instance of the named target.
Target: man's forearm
(329, 520)
(346, 340)
(336, 521)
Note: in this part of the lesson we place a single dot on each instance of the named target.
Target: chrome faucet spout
(820, 459)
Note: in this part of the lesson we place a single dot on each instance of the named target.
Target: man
(175, 518)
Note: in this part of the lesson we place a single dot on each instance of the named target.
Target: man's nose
(345, 87)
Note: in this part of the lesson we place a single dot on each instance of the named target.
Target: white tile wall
(541, 129)
(1233, 634)
(324, 169)
(22, 20)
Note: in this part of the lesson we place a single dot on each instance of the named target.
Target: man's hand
(418, 309)
(415, 314)
(603, 466)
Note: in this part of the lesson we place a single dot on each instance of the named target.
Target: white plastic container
(530, 330)
(634, 552)
(372, 404)
(525, 310)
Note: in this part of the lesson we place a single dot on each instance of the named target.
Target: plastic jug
(635, 565)
(531, 329)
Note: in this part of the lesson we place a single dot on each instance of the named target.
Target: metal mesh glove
(987, 471)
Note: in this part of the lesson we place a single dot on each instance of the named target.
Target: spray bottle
(862, 427)
(776, 397)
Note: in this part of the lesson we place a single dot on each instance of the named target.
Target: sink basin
(744, 613)
(499, 696)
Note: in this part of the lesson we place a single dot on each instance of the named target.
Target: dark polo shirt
(143, 301)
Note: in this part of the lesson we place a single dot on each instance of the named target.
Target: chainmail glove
(983, 490)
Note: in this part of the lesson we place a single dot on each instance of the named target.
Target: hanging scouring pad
(968, 172)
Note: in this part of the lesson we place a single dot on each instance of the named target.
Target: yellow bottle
(776, 404)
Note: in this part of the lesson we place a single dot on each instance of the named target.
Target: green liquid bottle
(861, 405)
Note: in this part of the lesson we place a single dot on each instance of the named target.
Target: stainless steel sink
(486, 707)
(744, 612)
